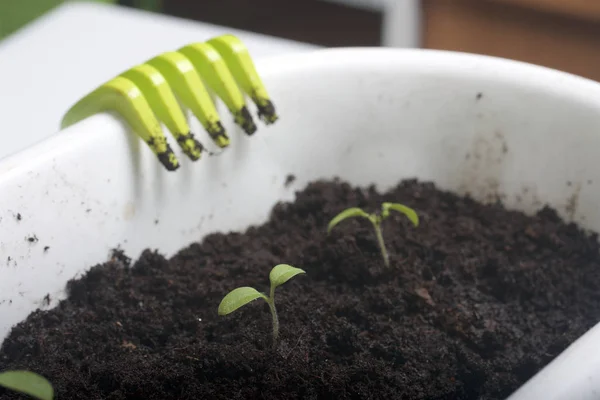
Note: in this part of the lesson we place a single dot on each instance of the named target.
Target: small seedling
(27, 382)
(241, 296)
(376, 220)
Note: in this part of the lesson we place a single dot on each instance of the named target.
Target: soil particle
(424, 294)
(118, 256)
(477, 300)
(289, 180)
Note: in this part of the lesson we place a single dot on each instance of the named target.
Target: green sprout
(241, 296)
(28, 383)
(376, 220)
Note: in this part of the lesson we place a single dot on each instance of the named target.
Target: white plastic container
(470, 123)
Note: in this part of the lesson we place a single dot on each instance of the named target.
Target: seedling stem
(271, 303)
(380, 241)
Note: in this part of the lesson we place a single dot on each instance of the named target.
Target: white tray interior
(469, 123)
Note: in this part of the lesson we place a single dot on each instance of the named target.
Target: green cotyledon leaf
(347, 213)
(237, 298)
(409, 212)
(27, 382)
(282, 273)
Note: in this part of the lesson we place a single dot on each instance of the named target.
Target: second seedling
(376, 220)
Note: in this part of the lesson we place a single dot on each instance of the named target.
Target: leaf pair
(385, 212)
(241, 296)
(376, 220)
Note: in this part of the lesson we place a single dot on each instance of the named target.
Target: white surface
(50, 64)
(573, 375)
(355, 113)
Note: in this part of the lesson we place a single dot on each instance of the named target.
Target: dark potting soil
(478, 299)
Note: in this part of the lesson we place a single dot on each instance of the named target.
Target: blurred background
(562, 34)
(54, 51)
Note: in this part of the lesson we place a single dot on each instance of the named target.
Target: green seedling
(376, 220)
(28, 383)
(241, 296)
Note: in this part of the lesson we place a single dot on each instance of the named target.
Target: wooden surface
(501, 28)
(585, 9)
